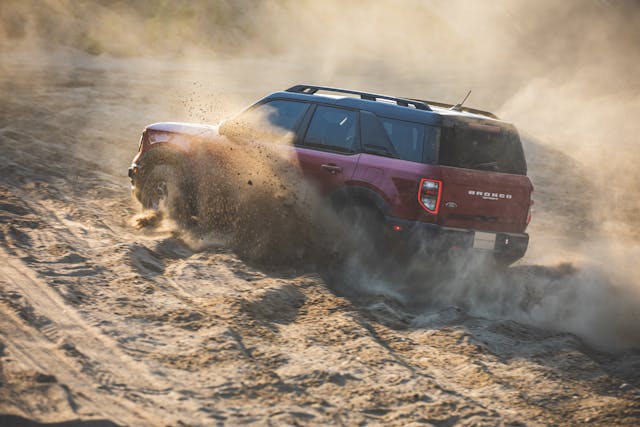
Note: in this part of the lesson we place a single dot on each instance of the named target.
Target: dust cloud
(258, 198)
(565, 74)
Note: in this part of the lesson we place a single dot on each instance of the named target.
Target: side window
(374, 137)
(332, 128)
(406, 137)
(273, 121)
(430, 155)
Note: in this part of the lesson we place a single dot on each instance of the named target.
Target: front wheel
(164, 189)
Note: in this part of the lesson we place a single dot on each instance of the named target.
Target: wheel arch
(361, 196)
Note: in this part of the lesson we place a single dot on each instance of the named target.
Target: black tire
(361, 233)
(501, 263)
(163, 188)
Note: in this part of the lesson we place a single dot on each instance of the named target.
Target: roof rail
(466, 109)
(404, 102)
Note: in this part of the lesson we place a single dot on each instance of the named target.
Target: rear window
(488, 148)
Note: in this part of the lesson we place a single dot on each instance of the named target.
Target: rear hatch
(484, 180)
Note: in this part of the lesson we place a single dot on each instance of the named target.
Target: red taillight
(429, 193)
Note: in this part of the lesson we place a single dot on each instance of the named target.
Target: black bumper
(508, 247)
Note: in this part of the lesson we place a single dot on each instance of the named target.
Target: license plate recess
(486, 241)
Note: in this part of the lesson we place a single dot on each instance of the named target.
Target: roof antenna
(458, 107)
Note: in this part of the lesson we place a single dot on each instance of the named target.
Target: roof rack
(404, 102)
(450, 106)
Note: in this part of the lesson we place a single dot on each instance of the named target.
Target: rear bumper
(508, 247)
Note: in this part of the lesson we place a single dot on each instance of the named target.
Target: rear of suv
(433, 176)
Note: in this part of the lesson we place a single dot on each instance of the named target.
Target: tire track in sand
(78, 354)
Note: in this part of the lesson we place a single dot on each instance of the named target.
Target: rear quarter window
(406, 137)
(403, 139)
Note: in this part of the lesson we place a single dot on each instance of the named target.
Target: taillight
(429, 193)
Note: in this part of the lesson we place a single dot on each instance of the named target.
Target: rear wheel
(502, 263)
(360, 232)
(164, 189)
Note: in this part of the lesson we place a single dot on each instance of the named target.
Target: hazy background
(566, 73)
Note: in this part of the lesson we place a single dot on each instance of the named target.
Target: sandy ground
(101, 321)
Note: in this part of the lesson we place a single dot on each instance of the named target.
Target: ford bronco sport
(437, 176)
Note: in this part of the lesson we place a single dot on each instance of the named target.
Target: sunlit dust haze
(565, 73)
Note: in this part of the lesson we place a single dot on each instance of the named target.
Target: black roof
(311, 90)
(383, 104)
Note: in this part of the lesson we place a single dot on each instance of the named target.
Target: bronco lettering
(489, 196)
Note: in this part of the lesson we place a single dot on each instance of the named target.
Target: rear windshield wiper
(490, 166)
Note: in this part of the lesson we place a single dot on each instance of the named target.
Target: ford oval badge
(451, 205)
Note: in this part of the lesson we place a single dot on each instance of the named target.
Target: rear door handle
(331, 168)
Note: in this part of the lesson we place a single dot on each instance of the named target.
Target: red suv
(437, 176)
